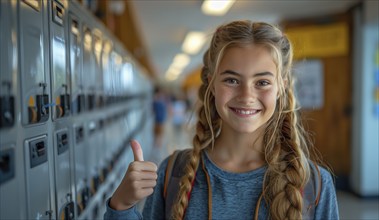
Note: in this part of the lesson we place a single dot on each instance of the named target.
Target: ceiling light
(181, 60)
(216, 7)
(193, 42)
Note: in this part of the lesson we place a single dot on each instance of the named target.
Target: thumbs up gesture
(139, 181)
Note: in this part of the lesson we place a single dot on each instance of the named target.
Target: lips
(245, 111)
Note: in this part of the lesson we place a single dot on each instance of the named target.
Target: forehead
(248, 59)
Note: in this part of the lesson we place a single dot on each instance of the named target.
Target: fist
(138, 182)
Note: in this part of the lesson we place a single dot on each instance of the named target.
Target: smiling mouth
(245, 112)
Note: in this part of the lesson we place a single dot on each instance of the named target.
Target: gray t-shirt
(234, 196)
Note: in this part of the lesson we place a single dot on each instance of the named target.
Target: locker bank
(71, 99)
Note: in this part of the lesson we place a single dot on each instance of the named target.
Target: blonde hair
(286, 147)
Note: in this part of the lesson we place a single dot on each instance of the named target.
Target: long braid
(286, 155)
(207, 125)
(288, 171)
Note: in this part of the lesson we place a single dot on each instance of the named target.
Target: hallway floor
(351, 207)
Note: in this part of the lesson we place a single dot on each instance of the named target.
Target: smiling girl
(251, 157)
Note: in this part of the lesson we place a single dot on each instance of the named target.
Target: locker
(98, 75)
(107, 68)
(88, 68)
(9, 186)
(7, 52)
(11, 182)
(80, 172)
(7, 165)
(62, 160)
(60, 85)
(75, 53)
(93, 140)
(34, 78)
(37, 178)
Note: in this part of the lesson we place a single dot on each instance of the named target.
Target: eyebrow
(231, 72)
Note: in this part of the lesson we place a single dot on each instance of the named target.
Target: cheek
(222, 96)
(269, 98)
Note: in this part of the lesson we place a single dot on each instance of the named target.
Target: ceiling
(163, 24)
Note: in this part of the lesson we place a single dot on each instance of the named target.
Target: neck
(238, 152)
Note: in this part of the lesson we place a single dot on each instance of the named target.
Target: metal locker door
(88, 68)
(107, 67)
(12, 190)
(8, 51)
(98, 78)
(37, 178)
(75, 53)
(93, 157)
(60, 85)
(34, 80)
(64, 204)
(80, 155)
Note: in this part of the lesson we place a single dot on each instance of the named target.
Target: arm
(327, 207)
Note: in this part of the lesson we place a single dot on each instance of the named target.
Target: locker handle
(65, 88)
(49, 213)
(40, 148)
(58, 14)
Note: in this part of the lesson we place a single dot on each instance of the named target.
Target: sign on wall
(319, 41)
(309, 83)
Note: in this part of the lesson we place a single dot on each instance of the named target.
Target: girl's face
(245, 88)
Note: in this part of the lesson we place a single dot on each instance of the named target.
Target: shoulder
(326, 177)
(326, 184)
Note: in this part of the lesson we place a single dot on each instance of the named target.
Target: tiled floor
(351, 207)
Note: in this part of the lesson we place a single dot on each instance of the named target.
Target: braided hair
(286, 146)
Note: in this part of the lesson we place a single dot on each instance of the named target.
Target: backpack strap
(174, 171)
(312, 192)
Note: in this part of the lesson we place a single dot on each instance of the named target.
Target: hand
(138, 183)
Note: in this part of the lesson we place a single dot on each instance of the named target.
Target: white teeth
(247, 112)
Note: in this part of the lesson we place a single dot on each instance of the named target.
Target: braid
(288, 170)
(286, 149)
(208, 122)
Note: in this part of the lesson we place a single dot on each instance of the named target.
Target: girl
(251, 157)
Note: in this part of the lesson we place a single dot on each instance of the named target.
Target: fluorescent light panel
(181, 60)
(216, 7)
(193, 42)
(178, 64)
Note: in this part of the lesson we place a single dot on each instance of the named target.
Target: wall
(365, 170)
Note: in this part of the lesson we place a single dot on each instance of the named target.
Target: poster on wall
(309, 84)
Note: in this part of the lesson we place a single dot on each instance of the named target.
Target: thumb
(137, 150)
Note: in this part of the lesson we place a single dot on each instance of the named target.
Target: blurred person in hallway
(251, 157)
(178, 117)
(160, 110)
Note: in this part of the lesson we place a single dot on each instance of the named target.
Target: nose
(246, 94)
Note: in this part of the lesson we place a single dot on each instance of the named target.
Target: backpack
(175, 170)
